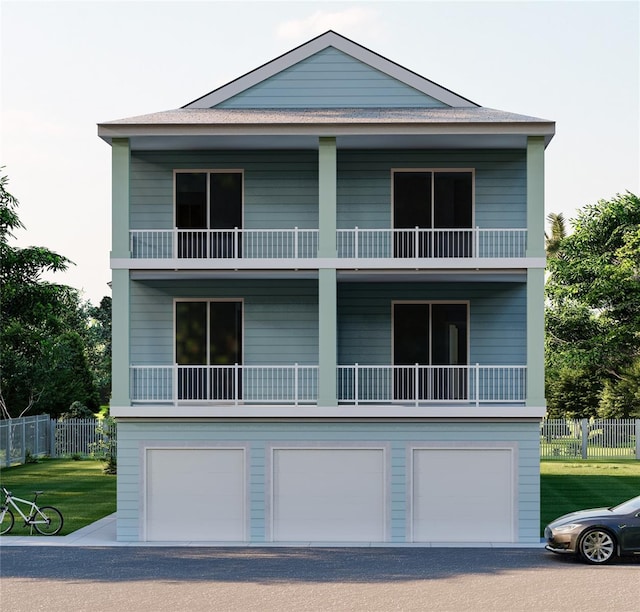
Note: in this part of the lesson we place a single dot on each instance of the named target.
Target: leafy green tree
(98, 342)
(593, 297)
(34, 316)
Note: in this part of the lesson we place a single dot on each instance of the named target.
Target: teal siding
(497, 322)
(280, 319)
(398, 438)
(280, 188)
(330, 79)
(364, 184)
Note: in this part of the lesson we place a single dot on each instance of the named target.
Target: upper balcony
(286, 248)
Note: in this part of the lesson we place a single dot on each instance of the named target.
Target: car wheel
(597, 546)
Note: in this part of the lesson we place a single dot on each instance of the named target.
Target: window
(432, 200)
(208, 345)
(208, 208)
(435, 335)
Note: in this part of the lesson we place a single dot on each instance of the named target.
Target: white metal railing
(357, 384)
(431, 243)
(234, 243)
(355, 243)
(421, 384)
(287, 384)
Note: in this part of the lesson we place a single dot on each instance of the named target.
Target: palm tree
(558, 233)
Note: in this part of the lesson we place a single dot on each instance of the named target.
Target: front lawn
(566, 486)
(79, 489)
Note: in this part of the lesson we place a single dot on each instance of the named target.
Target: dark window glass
(410, 334)
(226, 200)
(225, 340)
(449, 334)
(452, 199)
(411, 199)
(191, 200)
(191, 333)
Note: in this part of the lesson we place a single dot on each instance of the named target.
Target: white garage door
(195, 494)
(328, 495)
(463, 495)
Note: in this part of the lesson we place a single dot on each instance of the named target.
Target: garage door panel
(463, 495)
(328, 495)
(185, 483)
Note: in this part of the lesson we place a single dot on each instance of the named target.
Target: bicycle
(47, 520)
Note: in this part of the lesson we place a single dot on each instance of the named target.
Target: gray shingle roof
(328, 116)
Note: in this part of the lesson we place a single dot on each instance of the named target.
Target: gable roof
(345, 45)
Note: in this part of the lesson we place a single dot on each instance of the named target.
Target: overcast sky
(66, 66)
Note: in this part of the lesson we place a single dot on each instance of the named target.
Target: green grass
(566, 486)
(79, 489)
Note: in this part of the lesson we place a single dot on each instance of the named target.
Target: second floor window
(439, 203)
(208, 209)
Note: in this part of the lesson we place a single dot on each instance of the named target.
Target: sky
(67, 66)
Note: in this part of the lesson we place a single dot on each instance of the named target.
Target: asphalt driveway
(262, 579)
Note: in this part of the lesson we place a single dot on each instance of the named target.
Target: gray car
(597, 535)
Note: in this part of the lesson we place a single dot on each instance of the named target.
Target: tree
(34, 314)
(593, 295)
(98, 342)
(558, 233)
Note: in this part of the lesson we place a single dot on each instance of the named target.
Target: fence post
(52, 437)
(585, 437)
(638, 439)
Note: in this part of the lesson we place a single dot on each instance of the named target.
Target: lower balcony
(297, 385)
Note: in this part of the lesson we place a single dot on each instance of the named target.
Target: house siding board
(398, 437)
(280, 188)
(280, 319)
(364, 184)
(330, 79)
(497, 315)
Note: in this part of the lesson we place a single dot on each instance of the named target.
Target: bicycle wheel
(53, 519)
(6, 520)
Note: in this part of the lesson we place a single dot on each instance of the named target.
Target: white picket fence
(41, 435)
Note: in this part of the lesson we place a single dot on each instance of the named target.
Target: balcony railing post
(174, 246)
(175, 384)
(235, 242)
(477, 385)
(415, 242)
(476, 242)
(356, 383)
(236, 378)
(295, 384)
(295, 242)
(356, 243)
(416, 387)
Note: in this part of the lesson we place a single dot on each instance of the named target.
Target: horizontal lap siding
(330, 79)
(281, 191)
(364, 184)
(497, 319)
(280, 188)
(280, 319)
(399, 437)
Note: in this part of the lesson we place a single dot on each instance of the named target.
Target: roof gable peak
(345, 45)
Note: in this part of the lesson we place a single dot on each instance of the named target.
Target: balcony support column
(535, 276)
(327, 277)
(327, 197)
(120, 155)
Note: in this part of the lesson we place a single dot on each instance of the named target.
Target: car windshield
(627, 507)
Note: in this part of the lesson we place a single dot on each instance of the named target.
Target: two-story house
(328, 309)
